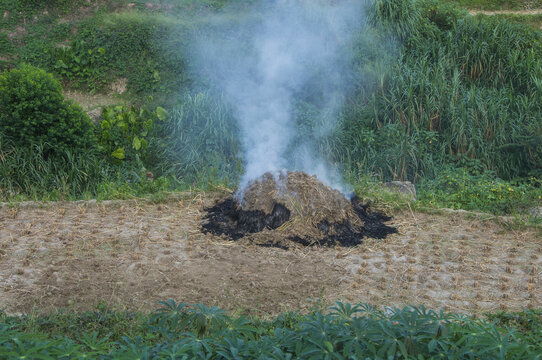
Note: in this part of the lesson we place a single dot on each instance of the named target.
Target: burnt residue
(374, 226)
(227, 218)
(256, 221)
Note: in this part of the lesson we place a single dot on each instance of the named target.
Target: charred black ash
(227, 218)
(374, 226)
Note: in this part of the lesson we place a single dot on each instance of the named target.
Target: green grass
(198, 142)
(497, 4)
(31, 174)
(458, 188)
(535, 21)
(181, 331)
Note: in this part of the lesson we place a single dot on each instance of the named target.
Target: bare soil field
(132, 254)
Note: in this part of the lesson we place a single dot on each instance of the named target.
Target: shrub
(33, 111)
(123, 132)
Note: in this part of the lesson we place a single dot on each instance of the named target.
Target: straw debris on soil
(288, 208)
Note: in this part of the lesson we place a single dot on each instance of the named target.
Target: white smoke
(262, 62)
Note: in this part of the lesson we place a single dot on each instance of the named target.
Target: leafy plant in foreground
(181, 331)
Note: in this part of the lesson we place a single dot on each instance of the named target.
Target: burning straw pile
(294, 208)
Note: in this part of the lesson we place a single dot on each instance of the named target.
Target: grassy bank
(497, 4)
(438, 97)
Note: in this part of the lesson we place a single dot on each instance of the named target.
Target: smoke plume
(266, 60)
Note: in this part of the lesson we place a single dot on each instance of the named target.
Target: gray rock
(95, 115)
(536, 212)
(402, 187)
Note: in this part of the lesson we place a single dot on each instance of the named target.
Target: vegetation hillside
(446, 100)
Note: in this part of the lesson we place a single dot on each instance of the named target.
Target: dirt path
(133, 254)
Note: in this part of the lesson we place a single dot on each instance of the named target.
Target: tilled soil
(132, 254)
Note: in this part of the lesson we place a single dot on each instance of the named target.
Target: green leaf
(144, 144)
(136, 143)
(161, 113)
(147, 125)
(105, 135)
(118, 154)
(122, 125)
(62, 64)
(109, 113)
(432, 345)
(132, 117)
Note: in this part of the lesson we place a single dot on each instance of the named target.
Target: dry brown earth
(133, 253)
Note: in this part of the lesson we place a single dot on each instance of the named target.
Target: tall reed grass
(199, 142)
(472, 90)
(32, 172)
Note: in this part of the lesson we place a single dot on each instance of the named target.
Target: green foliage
(137, 184)
(527, 321)
(462, 188)
(147, 50)
(37, 4)
(462, 87)
(198, 141)
(533, 20)
(347, 331)
(400, 17)
(497, 4)
(81, 65)
(33, 111)
(372, 191)
(123, 133)
(6, 46)
(430, 87)
(19, 11)
(32, 172)
(442, 14)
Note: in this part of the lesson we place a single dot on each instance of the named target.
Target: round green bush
(33, 111)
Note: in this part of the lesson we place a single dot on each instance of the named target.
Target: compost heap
(293, 208)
